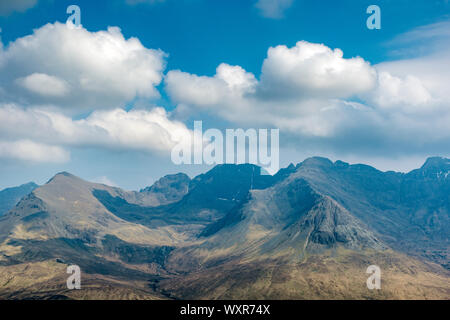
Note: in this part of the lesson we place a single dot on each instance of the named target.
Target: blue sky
(199, 35)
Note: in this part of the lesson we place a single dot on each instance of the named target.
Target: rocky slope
(310, 231)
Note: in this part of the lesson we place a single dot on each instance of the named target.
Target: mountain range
(308, 232)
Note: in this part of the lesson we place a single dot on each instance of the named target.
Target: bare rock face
(290, 219)
(409, 212)
(329, 224)
(170, 188)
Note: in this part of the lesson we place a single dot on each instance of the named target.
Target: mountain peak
(434, 167)
(317, 162)
(61, 176)
(169, 188)
(65, 174)
(177, 181)
(436, 162)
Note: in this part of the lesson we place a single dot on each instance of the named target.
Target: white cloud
(9, 6)
(58, 72)
(323, 101)
(305, 72)
(430, 73)
(310, 69)
(27, 150)
(78, 69)
(417, 84)
(140, 130)
(137, 130)
(297, 86)
(408, 93)
(319, 99)
(273, 8)
(44, 85)
(229, 82)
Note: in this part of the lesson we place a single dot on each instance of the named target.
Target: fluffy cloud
(273, 8)
(57, 73)
(44, 85)
(310, 69)
(228, 83)
(319, 99)
(306, 71)
(408, 93)
(9, 6)
(27, 150)
(300, 83)
(324, 101)
(138, 130)
(78, 69)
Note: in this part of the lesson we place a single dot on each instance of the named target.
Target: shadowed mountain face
(168, 189)
(10, 197)
(410, 212)
(211, 196)
(314, 222)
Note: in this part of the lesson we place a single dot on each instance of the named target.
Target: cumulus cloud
(228, 82)
(138, 130)
(408, 94)
(9, 6)
(424, 80)
(310, 69)
(78, 69)
(319, 99)
(299, 83)
(324, 101)
(51, 77)
(306, 71)
(142, 130)
(44, 85)
(27, 150)
(273, 8)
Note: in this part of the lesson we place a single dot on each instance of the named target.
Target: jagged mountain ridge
(229, 215)
(410, 212)
(288, 219)
(210, 197)
(65, 208)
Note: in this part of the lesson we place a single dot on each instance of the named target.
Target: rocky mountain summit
(309, 231)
